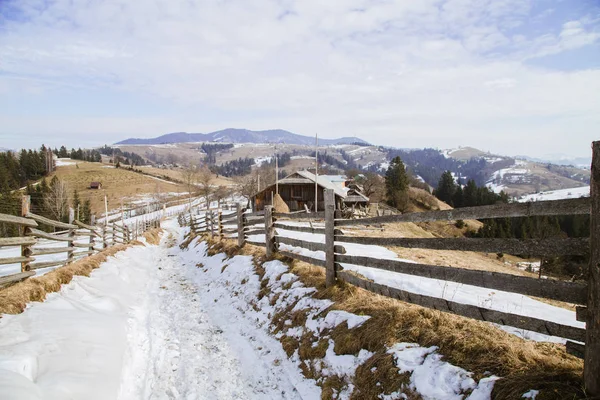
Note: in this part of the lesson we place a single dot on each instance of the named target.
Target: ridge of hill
(232, 135)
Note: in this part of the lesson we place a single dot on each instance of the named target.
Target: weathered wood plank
(9, 279)
(534, 247)
(575, 349)
(591, 364)
(46, 264)
(330, 272)
(469, 311)
(17, 241)
(13, 219)
(50, 222)
(312, 215)
(251, 222)
(15, 260)
(255, 214)
(41, 251)
(551, 207)
(308, 229)
(85, 226)
(572, 292)
(312, 246)
(49, 236)
(86, 245)
(310, 260)
(253, 232)
(84, 252)
(581, 313)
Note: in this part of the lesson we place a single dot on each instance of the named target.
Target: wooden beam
(307, 229)
(252, 242)
(41, 251)
(330, 273)
(312, 246)
(85, 226)
(534, 247)
(255, 232)
(18, 241)
(15, 260)
(591, 364)
(12, 219)
(551, 207)
(49, 236)
(467, 310)
(312, 215)
(9, 279)
(50, 222)
(571, 292)
(581, 313)
(46, 264)
(310, 260)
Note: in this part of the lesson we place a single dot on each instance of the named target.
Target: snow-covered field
(159, 322)
(571, 193)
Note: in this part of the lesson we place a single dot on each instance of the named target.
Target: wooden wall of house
(304, 194)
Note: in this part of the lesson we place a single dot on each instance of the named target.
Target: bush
(459, 223)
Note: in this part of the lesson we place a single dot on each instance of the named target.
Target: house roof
(322, 181)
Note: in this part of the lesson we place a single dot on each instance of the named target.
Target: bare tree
(373, 187)
(189, 176)
(220, 193)
(246, 186)
(56, 200)
(205, 179)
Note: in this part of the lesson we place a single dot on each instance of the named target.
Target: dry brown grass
(153, 236)
(118, 184)
(476, 346)
(15, 298)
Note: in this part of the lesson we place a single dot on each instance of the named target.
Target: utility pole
(276, 171)
(316, 172)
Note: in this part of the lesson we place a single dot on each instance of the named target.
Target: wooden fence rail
(79, 240)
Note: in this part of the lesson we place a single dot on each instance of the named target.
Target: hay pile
(279, 205)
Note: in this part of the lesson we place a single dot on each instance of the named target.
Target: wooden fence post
(329, 237)
(206, 221)
(23, 230)
(269, 232)
(104, 245)
(220, 224)
(591, 369)
(71, 236)
(212, 224)
(240, 223)
(114, 235)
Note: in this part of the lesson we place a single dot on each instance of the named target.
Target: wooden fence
(584, 343)
(75, 240)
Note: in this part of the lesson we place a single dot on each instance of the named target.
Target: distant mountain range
(232, 135)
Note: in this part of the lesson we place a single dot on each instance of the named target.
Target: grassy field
(117, 184)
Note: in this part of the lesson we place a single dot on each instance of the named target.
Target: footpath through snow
(139, 329)
(158, 322)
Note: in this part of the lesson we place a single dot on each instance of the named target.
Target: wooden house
(298, 191)
(95, 185)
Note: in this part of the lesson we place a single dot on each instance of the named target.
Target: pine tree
(396, 184)
(446, 188)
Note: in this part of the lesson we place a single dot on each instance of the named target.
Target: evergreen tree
(446, 188)
(396, 184)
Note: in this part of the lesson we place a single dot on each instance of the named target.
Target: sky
(506, 76)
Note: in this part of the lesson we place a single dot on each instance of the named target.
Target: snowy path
(140, 328)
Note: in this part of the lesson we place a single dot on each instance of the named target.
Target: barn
(95, 185)
(298, 191)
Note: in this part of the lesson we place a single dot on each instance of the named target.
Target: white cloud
(373, 69)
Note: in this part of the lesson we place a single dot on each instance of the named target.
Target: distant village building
(298, 191)
(96, 185)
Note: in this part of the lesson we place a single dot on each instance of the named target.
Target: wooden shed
(96, 185)
(298, 191)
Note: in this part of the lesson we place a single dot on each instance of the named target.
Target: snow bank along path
(138, 328)
(158, 322)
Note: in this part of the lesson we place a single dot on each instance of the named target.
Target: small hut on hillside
(96, 185)
(298, 190)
